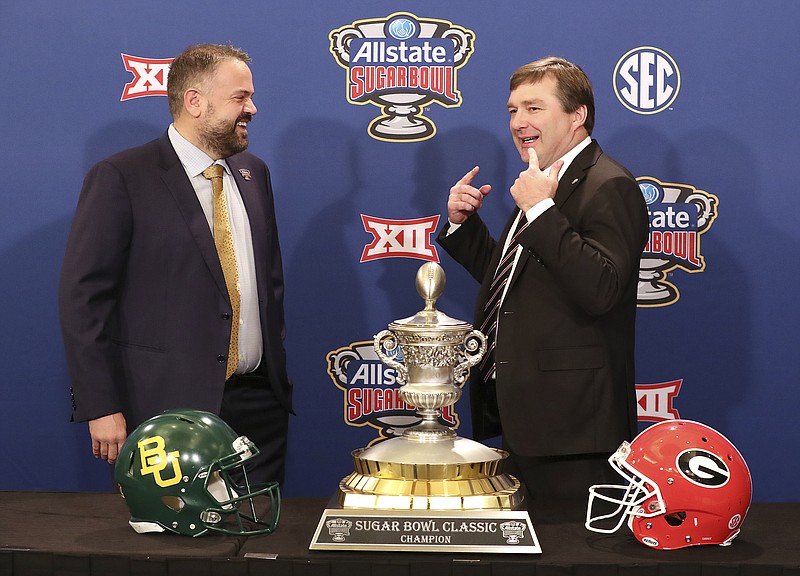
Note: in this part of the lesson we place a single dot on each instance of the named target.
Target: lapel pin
(574, 181)
(245, 173)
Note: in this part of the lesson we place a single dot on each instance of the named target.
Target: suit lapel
(569, 182)
(175, 179)
(576, 172)
(251, 188)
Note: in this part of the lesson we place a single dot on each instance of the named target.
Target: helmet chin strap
(143, 526)
(220, 490)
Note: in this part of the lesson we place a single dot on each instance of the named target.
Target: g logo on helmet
(703, 468)
(155, 459)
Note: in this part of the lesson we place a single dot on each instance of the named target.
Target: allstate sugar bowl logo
(679, 214)
(401, 64)
(372, 392)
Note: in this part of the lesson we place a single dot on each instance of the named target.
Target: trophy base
(654, 293)
(411, 128)
(441, 496)
(464, 531)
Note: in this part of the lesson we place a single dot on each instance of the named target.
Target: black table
(87, 533)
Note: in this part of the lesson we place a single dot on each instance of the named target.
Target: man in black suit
(146, 314)
(558, 301)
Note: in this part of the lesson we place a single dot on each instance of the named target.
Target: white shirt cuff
(538, 209)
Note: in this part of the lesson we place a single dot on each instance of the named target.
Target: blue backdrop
(696, 98)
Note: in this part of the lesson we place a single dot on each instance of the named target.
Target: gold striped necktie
(223, 240)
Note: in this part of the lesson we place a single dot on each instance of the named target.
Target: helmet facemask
(242, 509)
(639, 497)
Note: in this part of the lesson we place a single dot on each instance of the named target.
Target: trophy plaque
(428, 489)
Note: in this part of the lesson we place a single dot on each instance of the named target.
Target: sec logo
(647, 80)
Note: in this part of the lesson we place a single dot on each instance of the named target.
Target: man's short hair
(194, 67)
(574, 88)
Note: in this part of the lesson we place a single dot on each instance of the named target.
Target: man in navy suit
(559, 381)
(145, 312)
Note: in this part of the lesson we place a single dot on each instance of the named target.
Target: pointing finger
(467, 178)
(556, 168)
(533, 159)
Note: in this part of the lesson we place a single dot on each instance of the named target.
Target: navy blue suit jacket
(144, 309)
(565, 343)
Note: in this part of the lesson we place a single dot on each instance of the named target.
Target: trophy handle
(386, 339)
(474, 348)
(463, 43)
(705, 209)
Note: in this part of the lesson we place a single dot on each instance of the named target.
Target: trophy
(428, 489)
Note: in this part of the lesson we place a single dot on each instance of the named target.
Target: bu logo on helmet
(703, 468)
(155, 459)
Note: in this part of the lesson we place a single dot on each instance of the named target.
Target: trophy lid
(430, 285)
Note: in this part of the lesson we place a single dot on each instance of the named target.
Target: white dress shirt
(194, 161)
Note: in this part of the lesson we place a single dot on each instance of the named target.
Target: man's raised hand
(533, 185)
(465, 199)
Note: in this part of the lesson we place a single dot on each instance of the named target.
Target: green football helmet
(174, 472)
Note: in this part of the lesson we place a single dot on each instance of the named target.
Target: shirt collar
(193, 159)
(572, 154)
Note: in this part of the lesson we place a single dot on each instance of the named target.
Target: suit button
(221, 359)
(226, 316)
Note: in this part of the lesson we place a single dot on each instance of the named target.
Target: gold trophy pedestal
(443, 496)
(428, 489)
(453, 474)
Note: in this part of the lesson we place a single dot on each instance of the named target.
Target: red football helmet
(687, 485)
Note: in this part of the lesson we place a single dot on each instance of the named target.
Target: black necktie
(496, 290)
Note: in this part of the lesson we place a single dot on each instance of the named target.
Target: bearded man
(171, 290)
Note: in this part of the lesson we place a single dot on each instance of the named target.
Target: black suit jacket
(144, 309)
(565, 343)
